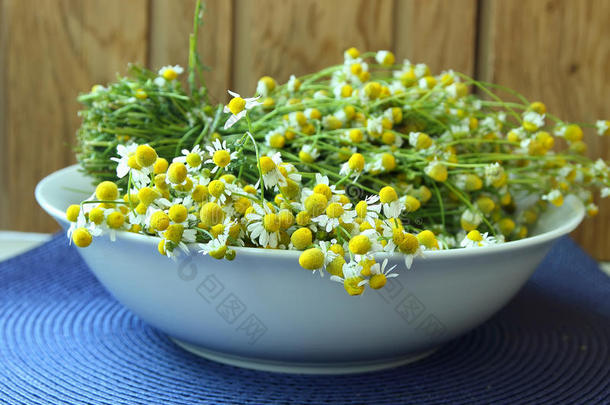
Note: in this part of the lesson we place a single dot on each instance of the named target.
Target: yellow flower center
(377, 281)
(72, 212)
(107, 191)
(216, 188)
(174, 233)
(269, 82)
(303, 218)
(356, 135)
(573, 133)
(277, 141)
(475, 236)
(159, 221)
(170, 74)
(334, 210)
(427, 239)
(362, 209)
(412, 204)
(222, 158)
(242, 204)
(200, 193)
(486, 205)
(271, 222)
(352, 287)
(193, 159)
(145, 156)
(336, 266)
(388, 161)
(211, 214)
(286, 219)
(323, 189)
(409, 244)
(437, 172)
(219, 253)
(315, 204)
(96, 215)
(81, 237)
(346, 90)
(356, 69)
(359, 244)
(306, 157)
(237, 105)
(506, 226)
(301, 238)
(141, 94)
(372, 90)
(160, 166)
(356, 162)
(178, 213)
(387, 195)
(267, 164)
(312, 259)
(115, 220)
(176, 173)
(147, 195)
(353, 52)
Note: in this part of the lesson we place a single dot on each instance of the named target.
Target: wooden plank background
(557, 51)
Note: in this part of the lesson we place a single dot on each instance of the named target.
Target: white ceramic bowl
(263, 311)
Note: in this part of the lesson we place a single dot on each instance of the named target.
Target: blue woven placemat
(64, 339)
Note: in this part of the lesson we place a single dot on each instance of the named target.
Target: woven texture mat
(64, 339)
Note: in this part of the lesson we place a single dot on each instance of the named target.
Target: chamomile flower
(368, 209)
(238, 107)
(384, 58)
(323, 182)
(309, 153)
(272, 175)
(170, 73)
(352, 281)
(82, 223)
(293, 84)
(264, 226)
(603, 127)
(221, 156)
(353, 167)
(494, 174)
(475, 238)
(605, 192)
(379, 274)
(191, 158)
(329, 255)
(374, 126)
(265, 86)
(127, 162)
(532, 120)
(313, 259)
(217, 247)
(555, 197)
(336, 214)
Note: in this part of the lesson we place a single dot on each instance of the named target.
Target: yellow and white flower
(191, 158)
(220, 155)
(126, 162)
(264, 226)
(238, 107)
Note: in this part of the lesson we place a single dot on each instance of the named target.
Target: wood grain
(52, 51)
(557, 51)
(279, 38)
(170, 27)
(439, 33)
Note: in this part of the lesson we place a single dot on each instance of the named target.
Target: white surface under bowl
(263, 311)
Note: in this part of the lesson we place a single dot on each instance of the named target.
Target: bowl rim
(564, 228)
